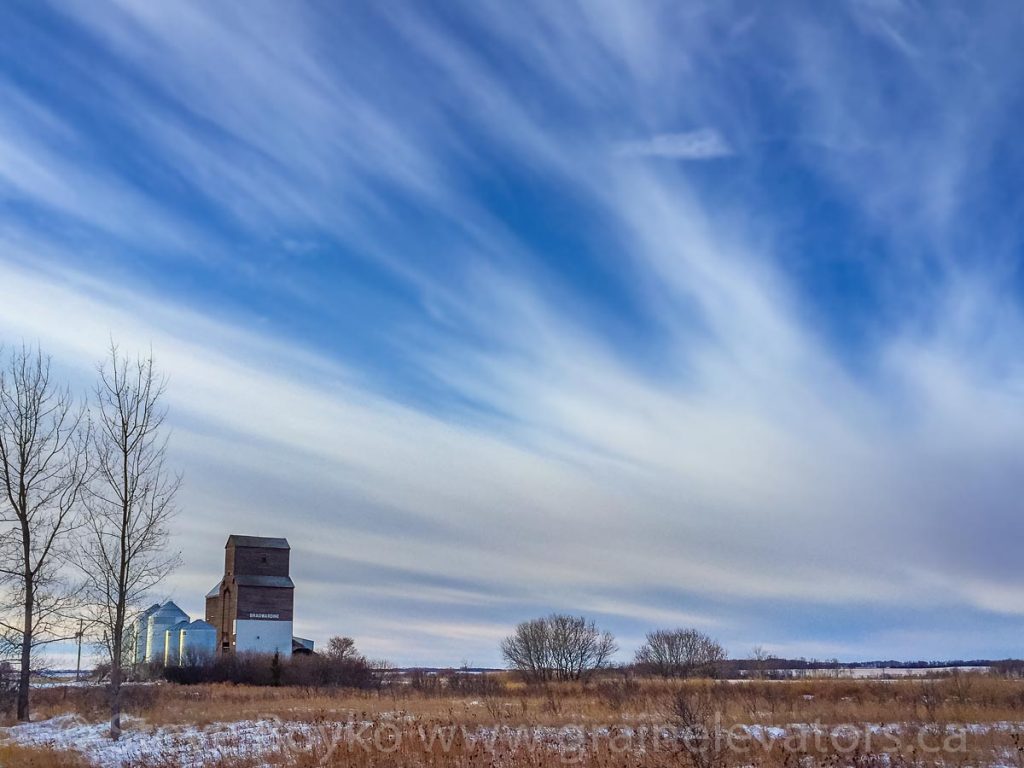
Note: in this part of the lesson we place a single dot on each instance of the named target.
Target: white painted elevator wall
(263, 636)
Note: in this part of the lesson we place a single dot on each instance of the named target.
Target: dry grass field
(962, 720)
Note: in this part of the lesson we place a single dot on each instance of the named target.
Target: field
(961, 720)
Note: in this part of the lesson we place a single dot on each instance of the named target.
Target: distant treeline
(740, 667)
(772, 662)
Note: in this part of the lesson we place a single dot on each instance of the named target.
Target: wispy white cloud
(702, 144)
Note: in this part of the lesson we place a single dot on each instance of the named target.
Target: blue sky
(669, 313)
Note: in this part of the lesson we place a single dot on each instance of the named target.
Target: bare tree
(342, 649)
(43, 470)
(528, 650)
(680, 653)
(129, 506)
(760, 656)
(558, 647)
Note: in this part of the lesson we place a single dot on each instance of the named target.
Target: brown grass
(601, 709)
(965, 698)
(16, 756)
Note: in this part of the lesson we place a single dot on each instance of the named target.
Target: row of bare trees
(85, 503)
(561, 647)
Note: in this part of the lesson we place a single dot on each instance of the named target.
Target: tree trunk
(116, 654)
(122, 599)
(24, 676)
(115, 688)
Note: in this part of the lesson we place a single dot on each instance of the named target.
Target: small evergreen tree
(275, 669)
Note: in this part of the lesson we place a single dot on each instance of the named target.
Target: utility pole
(78, 666)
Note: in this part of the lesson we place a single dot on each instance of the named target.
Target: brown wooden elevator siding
(265, 600)
(213, 611)
(255, 561)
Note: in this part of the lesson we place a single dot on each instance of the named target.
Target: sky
(670, 314)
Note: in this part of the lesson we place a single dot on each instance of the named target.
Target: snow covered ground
(173, 745)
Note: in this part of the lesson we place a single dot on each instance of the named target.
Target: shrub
(8, 687)
(699, 715)
(615, 694)
(474, 684)
(313, 671)
(328, 672)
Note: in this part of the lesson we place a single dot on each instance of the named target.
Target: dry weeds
(617, 722)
